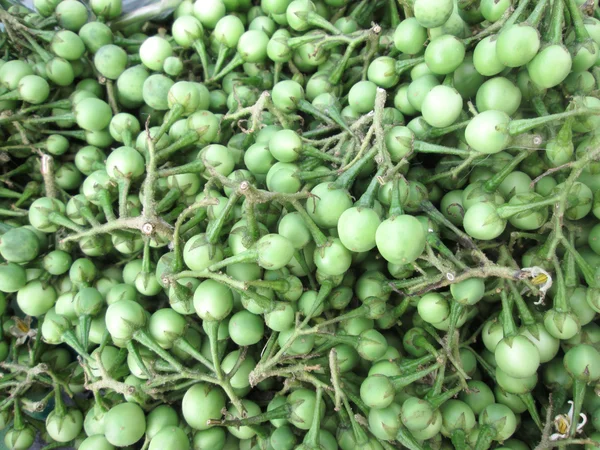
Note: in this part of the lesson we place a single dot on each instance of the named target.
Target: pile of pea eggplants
(296, 224)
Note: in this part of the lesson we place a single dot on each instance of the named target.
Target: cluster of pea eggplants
(296, 224)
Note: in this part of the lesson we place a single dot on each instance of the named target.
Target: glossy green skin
(111, 61)
(33, 89)
(274, 251)
(347, 358)
(493, 10)
(498, 94)
(94, 421)
(583, 363)
(125, 424)
(485, 57)
(455, 25)
(369, 284)
(491, 334)
(123, 318)
(517, 45)
(579, 83)
(198, 254)
(401, 101)
(361, 96)
(92, 114)
(501, 418)
(558, 153)
(479, 397)
(154, 51)
(417, 414)
(20, 439)
(286, 94)
(285, 145)
(281, 318)
(213, 438)
(418, 89)
(410, 36)
(372, 345)
(96, 442)
(281, 178)
(38, 213)
(19, 245)
(433, 308)
(246, 328)
(333, 259)
(240, 380)
(468, 292)
(398, 141)
(528, 220)
(546, 344)
(36, 298)
(209, 12)
(555, 374)
(474, 193)
(283, 438)
(451, 207)
(258, 159)
(482, 222)
(392, 242)
(550, 66)
(577, 298)
(155, 91)
(83, 270)
(296, 20)
(299, 346)
(456, 415)
(420, 70)
(521, 349)
(385, 423)
(467, 79)
(212, 300)
(585, 146)
(252, 46)
(108, 357)
(561, 325)
(200, 403)
(514, 385)
(67, 45)
(579, 200)
(382, 72)
(65, 428)
(444, 54)
(487, 133)
(109, 9)
(377, 392)
(303, 403)
(130, 85)
(584, 55)
(432, 13)
(431, 430)
(587, 123)
(11, 73)
(441, 106)
(357, 228)
(321, 92)
(170, 438)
